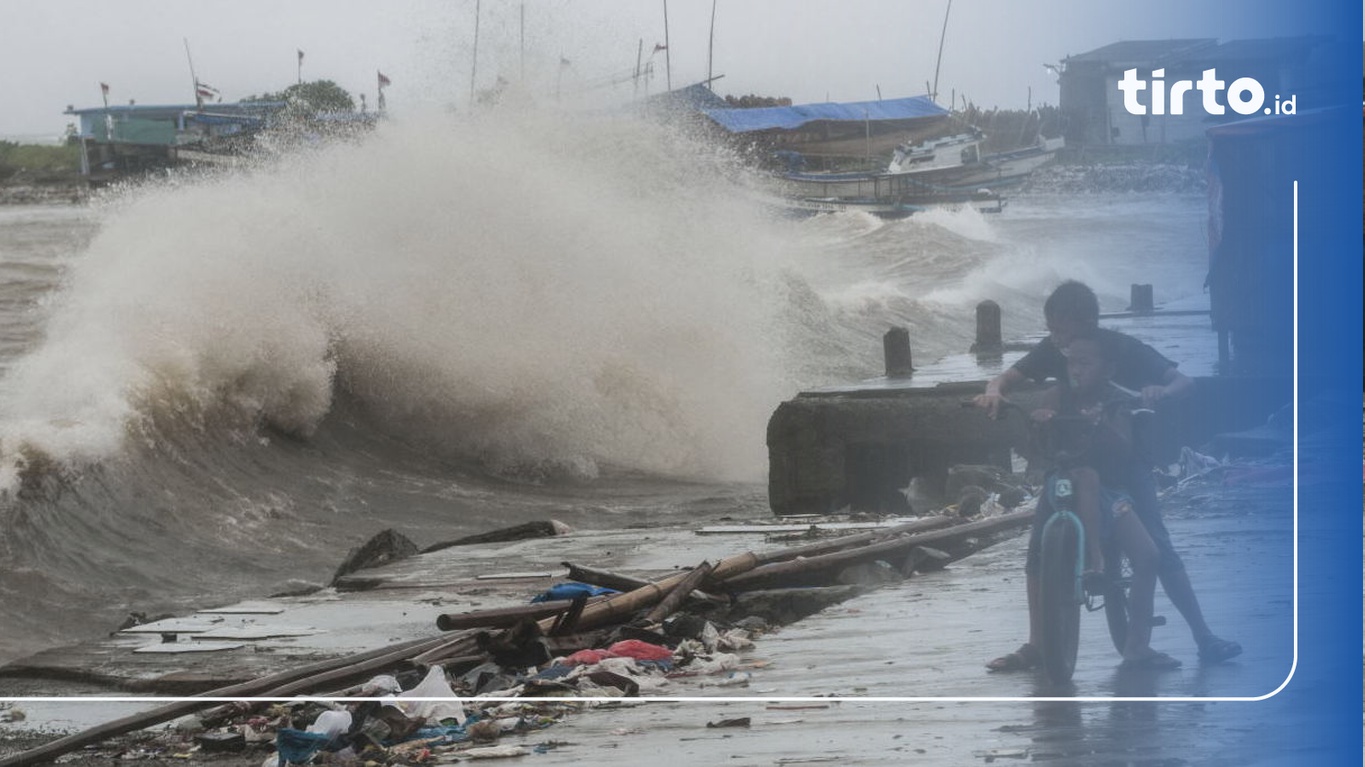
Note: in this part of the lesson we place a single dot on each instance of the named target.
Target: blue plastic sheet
(790, 118)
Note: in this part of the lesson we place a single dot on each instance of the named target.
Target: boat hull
(889, 209)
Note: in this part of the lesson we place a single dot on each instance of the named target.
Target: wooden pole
(502, 617)
(639, 53)
(194, 79)
(668, 55)
(939, 60)
(711, 44)
(474, 66)
(603, 578)
(669, 604)
(784, 573)
(850, 541)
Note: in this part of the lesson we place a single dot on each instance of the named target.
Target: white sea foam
(519, 289)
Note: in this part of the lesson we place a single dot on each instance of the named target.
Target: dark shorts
(1110, 498)
(1141, 488)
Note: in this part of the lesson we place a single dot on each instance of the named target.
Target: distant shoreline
(1135, 175)
(29, 192)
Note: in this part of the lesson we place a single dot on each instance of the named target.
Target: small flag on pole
(104, 88)
(660, 47)
(563, 62)
(300, 56)
(204, 90)
(383, 81)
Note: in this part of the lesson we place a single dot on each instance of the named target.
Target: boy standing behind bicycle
(1071, 310)
(1090, 422)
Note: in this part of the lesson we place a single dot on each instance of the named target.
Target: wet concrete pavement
(930, 636)
(904, 665)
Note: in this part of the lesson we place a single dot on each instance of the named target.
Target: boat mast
(711, 44)
(474, 67)
(934, 94)
(639, 52)
(668, 55)
(194, 79)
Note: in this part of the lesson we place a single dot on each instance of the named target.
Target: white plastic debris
(384, 684)
(734, 639)
(736, 679)
(1194, 464)
(434, 700)
(494, 752)
(333, 724)
(710, 637)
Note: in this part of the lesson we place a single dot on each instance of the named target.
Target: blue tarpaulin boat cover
(790, 118)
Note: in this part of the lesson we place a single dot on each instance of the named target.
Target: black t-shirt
(1137, 364)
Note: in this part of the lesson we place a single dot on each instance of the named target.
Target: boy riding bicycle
(1073, 310)
(1088, 421)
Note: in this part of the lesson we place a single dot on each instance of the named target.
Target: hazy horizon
(993, 53)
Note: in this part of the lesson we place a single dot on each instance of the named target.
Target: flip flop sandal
(1157, 661)
(1215, 650)
(1023, 659)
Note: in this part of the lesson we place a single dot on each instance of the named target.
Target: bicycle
(1063, 586)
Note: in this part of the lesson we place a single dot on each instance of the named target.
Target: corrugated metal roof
(696, 97)
(1270, 49)
(1145, 51)
(790, 118)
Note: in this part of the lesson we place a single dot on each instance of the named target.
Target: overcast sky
(55, 53)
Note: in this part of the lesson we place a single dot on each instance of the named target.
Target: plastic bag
(433, 686)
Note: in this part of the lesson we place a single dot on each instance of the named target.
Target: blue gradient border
(1323, 700)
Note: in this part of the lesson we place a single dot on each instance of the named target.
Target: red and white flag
(383, 81)
(204, 90)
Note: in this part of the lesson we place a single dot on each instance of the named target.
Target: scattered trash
(455, 696)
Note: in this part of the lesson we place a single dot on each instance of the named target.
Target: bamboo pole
(603, 578)
(731, 570)
(850, 541)
(670, 603)
(502, 617)
(785, 571)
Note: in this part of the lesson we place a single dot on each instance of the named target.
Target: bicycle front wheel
(1059, 599)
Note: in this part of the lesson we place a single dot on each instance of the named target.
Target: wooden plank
(172, 648)
(256, 632)
(512, 576)
(171, 626)
(542, 528)
(245, 608)
(798, 528)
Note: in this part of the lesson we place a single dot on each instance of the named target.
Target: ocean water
(212, 385)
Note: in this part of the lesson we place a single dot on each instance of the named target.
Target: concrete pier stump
(988, 337)
(896, 346)
(1141, 301)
